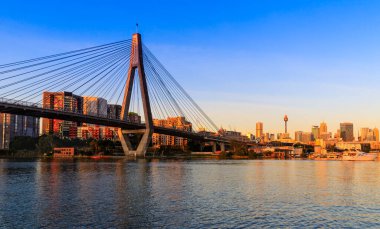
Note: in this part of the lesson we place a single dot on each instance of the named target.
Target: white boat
(356, 155)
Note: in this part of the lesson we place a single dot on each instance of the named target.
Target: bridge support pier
(142, 146)
(136, 63)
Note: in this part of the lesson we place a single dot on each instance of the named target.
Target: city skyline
(283, 61)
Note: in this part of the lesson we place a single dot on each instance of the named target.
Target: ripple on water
(193, 194)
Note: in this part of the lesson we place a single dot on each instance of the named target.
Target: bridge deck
(35, 110)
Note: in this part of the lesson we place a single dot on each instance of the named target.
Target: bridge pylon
(136, 63)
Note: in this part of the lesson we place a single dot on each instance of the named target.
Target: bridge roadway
(36, 110)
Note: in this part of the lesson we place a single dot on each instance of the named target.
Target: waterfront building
(235, 135)
(65, 101)
(315, 133)
(94, 106)
(88, 131)
(354, 145)
(113, 111)
(259, 129)
(12, 125)
(347, 131)
(179, 123)
(64, 152)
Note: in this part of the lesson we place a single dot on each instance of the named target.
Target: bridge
(124, 72)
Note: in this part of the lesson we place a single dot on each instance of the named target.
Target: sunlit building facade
(95, 106)
(315, 133)
(259, 129)
(65, 101)
(323, 127)
(347, 131)
(179, 123)
(113, 111)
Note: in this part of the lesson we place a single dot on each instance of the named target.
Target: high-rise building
(325, 136)
(266, 137)
(134, 117)
(17, 125)
(298, 136)
(323, 127)
(179, 123)
(113, 111)
(370, 136)
(364, 133)
(347, 131)
(337, 134)
(94, 106)
(315, 133)
(307, 137)
(376, 133)
(259, 129)
(65, 101)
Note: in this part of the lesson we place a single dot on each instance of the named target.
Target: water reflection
(154, 193)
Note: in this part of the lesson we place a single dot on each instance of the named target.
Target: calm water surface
(196, 193)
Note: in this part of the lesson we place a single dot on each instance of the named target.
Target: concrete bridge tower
(136, 63)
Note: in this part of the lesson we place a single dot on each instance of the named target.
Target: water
(194, 193)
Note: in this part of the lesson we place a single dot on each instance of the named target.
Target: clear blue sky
(243, 61)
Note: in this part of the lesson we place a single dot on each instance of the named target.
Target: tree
(45, 144)
(239, 148)
(23, 143)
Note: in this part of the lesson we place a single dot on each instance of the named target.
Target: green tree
(45, 144)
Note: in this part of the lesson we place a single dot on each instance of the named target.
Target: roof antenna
(137, 27)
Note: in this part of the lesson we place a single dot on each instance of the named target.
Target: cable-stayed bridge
(124, 72)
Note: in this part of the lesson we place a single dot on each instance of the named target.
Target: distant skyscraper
(323, 127)
(337, 134)
(325, 136)
(315, 132)
(259, 129)
(347, 131)
(306, 137)
(376, 133)
(298, 136)
(364, 133)
(370, 136)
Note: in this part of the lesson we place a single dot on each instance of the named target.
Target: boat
(356, 155)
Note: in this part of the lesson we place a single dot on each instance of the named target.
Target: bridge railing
(40, 106)
(19, 102)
